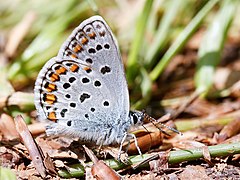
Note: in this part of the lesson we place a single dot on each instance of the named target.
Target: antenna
(152, 120)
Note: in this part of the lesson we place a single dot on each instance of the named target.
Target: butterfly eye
(135, 119)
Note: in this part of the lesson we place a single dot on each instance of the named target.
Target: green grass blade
(212, 44)
(182, 39)
(162, 35)
(146, 89)
(7, 174)
(45, 40)
(132, 63)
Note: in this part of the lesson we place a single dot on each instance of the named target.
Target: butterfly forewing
(85, 83)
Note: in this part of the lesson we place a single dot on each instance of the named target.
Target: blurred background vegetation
(165, 45)
(172, 50)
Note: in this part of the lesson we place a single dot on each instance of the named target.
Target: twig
(174, 157)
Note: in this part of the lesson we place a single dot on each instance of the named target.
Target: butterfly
(83, 92)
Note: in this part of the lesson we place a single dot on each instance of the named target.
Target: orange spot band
(52, 116)
(54, 77)
(51, 87)
(84, 40)
(86, 68)
(92, 35)
(73, 56)
(74, 68)
(61, 70)
(51, 97)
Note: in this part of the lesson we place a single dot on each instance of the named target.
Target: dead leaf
(17, 34)
(161, 163)
(194, 172)
(146, 142)
(7, 127)
(229, 130)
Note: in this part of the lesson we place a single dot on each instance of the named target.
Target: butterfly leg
(100, 142)
(121, 145)
(129, 136)
(136, 143)
(128, 145)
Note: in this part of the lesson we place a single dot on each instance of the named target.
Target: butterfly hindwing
(85, 84)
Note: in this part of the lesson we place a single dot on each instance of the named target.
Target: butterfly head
(136, 117)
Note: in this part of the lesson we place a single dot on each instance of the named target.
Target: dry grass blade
(18, 33)
(22, 100)
(185, 104)
(33, 149)
(206, 155)
(229, 130)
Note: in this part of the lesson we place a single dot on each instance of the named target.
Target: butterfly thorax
(118, 132)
